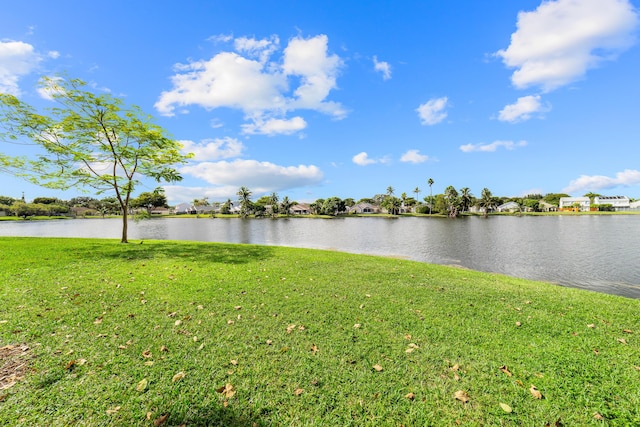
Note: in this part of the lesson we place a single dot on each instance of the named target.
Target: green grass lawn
(93, 332)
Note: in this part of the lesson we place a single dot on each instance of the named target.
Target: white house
(508, 207)
(618, 202)
(575, 204)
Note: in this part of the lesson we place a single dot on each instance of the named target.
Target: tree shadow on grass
(216, 415)
(186, 251)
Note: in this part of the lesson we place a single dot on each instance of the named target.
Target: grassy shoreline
(225, 334)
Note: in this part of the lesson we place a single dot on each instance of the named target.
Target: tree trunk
(124, 228)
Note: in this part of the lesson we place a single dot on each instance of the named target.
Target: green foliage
(554, 198)
(155, 198)
(7, 201)
(332, 206)
(90, 141)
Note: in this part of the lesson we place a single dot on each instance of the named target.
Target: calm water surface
(599, 253)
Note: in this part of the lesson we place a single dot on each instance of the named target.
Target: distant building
(185, 208)
(619, 203)
(509, 207)
(576, 204)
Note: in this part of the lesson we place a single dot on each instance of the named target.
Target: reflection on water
(591, 252)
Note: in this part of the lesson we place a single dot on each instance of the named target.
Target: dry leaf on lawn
(290, 328)
(462, 396)
(113, 410)
(378, 368)
(228, 391)
(178, 377)
(160, 420)
(597, 416)
(410, 396)
(622, 341)
(298, 391)
(314, 348)
(506, 370)
(535, 392)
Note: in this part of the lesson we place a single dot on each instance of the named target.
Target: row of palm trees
(455, 201)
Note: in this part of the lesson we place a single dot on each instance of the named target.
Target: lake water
(595, 252)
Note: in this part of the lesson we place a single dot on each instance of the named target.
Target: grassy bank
(93, 332)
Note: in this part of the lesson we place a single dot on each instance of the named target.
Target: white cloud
(261, 49)
(226, 80)
(17, 59)
(414, 156)
(383, 67)
(213, 149)
(558, 42)
(363, 159)
(257, 176)
(264, 90)
(432, 112)
(523, 109)
(53, 54)
(273, 127)
(626, 178)
(509, 145)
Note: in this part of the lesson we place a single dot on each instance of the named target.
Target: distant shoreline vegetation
(452, 203)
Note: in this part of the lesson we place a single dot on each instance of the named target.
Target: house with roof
(300, 209)
(509, 207)
(364, 208)
(575, 204)
(185, 208)
(619, 203)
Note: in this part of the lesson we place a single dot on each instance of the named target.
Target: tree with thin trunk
(430, 182)
(285, 205)
(88, 140)
(417, 191)
(486, 201)
(245, 201)
(451, 196)
(466, 198)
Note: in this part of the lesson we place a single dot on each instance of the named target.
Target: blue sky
(313, 99)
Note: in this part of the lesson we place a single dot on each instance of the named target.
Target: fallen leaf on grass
(290, 328)
(160, 420)
(234, 362)
(591, 325)
(506, 408)
(597, 416)
(113, 410)
(164, 348)
(622, 341)
(314, 348)
(506, 370)
(147, 354)
(627, 331)
(462, 396)
(357, 326)
(228, 391)
(377, 368)
(518, 324)
(70, 365)
(98, 321)
(535, 392)
(298, 391)
(178, 377)
(142, 385)
(410, 396)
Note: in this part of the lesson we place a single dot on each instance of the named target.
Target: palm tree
(451, 195)
(390, 191)
(245, 202)
(466, 198)
(486, 200)
(285, 205)
(430, 182)
(417, 191)
(273, 199)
